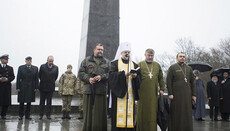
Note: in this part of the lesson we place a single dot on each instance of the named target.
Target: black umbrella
(200, 66)
(220, 71)
(163, 112)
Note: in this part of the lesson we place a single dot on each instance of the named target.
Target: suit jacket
(47, 77)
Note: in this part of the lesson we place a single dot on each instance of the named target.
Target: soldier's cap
(5, 56)
(28, 58)
(69, 66)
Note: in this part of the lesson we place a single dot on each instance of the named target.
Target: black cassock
(5, 87)
(118, 87)
(225, 103)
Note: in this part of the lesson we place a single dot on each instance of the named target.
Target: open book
(134, 70)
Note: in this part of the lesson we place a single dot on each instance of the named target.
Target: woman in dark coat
(199, 112)
(214, 93)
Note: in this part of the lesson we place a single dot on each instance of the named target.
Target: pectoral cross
(150, 75)
(185, 79)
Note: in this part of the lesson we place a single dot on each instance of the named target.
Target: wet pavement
(57, 124)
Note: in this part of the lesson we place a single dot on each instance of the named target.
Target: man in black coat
(48, 74)
(225, 103)
(27, 85)
(214, 94)
(6, 76)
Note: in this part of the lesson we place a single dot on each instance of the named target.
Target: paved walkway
(57, 124)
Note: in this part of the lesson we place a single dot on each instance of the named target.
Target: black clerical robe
(118, 86)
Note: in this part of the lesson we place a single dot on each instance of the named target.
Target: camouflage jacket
(79, 86)
(88, 68)
(67, 84)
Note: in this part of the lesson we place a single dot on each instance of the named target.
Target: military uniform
(67, 88)
(6, 71)
(94, 95)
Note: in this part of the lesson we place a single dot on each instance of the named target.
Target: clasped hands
(3, 79)
(133, 75)
(95, 79)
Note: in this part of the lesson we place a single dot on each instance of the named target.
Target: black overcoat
(27, 82)
(5, 87)
(215, 92)
(47, 77)
(225, 103)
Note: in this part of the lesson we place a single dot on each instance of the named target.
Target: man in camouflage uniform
(67, 88)
(80, 93)
(94, 72)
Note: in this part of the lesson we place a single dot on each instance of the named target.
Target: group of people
(27, 84)
(218, 90)
(133, 90)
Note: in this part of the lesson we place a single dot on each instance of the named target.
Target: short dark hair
(98, 44)
(179, 53)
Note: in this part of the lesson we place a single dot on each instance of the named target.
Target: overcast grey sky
(53, 27)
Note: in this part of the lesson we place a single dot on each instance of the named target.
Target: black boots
(66, 115)
(80, 115)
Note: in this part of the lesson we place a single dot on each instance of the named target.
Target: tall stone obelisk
(100, 25)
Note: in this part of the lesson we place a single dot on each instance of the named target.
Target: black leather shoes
(227, 120)
(3, 117)
(40, 118)
(28, 118)
(216, 119)
(48, 117)
(20, 118)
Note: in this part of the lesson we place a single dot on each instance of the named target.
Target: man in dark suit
(6, 76)
(27, 84)
(48, 74)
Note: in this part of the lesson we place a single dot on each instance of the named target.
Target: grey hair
(150, 51)
(196, 72)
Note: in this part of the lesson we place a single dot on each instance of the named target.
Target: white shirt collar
(3, 65)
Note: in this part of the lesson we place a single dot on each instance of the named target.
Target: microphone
(127, 55)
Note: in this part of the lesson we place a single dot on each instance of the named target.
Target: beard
(99, 55)
(149, 61)
(214, 80)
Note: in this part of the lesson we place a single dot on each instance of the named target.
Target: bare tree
(186, 45)
(225, 46)
(165, 61)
